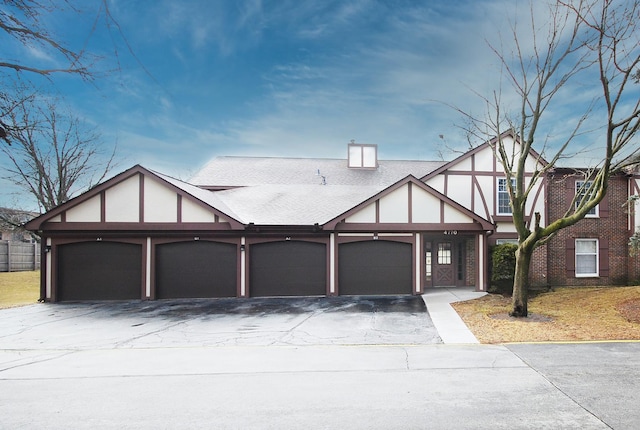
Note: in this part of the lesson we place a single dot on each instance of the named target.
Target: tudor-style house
(255, 227)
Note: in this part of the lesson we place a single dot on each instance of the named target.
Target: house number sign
(451, 232)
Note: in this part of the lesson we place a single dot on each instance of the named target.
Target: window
(460, 263)
(586, 257)
(428, 260)
(444, 253)
(363, 156)
(581, 192)
(503, 241)
(504, 208)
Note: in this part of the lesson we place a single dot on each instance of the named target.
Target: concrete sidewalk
(450, 327)
(325, 386)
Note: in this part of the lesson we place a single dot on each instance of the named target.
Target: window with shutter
(583, 190)
(587, 259)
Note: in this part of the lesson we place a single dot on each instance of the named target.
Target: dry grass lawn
(19, 288)
(566, 314)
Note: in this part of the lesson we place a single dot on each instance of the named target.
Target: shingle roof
(247, 171)
(294, 204)
(296, 191)
(205, 196)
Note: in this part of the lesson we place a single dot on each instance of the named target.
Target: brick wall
(470, 268)
(538, 268)
(610, 228)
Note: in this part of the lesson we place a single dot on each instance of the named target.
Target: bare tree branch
(54, 155)
(585, 39)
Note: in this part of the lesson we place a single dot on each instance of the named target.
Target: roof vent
(363, 156)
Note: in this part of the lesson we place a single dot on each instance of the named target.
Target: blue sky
(285, 77)
(288, 78)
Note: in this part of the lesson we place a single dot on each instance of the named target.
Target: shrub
(503, 268)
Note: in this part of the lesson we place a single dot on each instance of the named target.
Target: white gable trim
(137, 199)
(408, 205)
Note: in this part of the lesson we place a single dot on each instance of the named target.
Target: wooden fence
(19, 256)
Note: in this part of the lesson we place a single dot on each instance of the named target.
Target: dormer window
(362, 156)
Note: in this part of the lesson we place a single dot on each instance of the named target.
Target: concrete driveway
(274, 364)
(221, 322)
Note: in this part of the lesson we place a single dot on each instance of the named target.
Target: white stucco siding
(192, 212)
(365, 215)
(123, 201)
(506, 227)
(394, 207)
(513, 150)
(88, 211)
(453, 215)
(534, 205)
(463, 165)
(478, 204)
(484, 196)
(57, 218)
(437, 183)
(531, 164)
(484, 160)
(160, 202)
(425, 207)
(460, 189)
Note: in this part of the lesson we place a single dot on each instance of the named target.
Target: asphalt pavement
(365, 363)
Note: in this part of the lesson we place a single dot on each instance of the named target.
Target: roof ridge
(319, 158)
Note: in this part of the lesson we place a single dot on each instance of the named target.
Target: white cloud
(341, 70)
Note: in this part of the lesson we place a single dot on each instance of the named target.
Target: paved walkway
(450, 327)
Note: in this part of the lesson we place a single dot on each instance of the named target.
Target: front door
(445, 262)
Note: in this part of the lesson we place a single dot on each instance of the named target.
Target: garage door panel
(375, 268)
(99, 271)
(196, 269)
(291, 268)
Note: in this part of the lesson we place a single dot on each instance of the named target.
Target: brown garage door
(374, 267)
(290, 268)
(196, 269)
(99, 271)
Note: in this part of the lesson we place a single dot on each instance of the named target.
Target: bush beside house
(503, 267)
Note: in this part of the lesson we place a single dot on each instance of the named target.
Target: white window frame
(362, 156)
(595, 254)
(506, 191)
(505, 241)
(595, 212)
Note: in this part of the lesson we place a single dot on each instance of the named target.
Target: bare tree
(597, 42)
(13, 221)
(53, 155)
(22, 22)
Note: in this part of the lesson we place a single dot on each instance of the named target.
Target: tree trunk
(521, 282)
